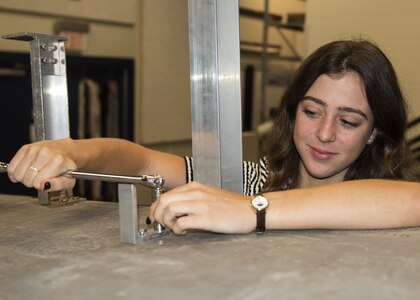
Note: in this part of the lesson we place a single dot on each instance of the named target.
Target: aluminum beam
(49, 90)
(127, 203)
(215, 93)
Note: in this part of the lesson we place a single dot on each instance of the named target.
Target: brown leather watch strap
(260, 229)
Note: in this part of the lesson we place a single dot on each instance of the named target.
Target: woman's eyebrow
(316, 100)
(344, 108)
(353, 110)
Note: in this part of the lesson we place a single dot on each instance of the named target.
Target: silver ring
(33, 168)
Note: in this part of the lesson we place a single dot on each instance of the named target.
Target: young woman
(337, 158)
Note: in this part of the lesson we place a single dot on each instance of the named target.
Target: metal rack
(268, 52)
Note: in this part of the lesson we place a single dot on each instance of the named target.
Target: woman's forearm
(109, 155)
(104, 155)
(124, 157)
(360, 204)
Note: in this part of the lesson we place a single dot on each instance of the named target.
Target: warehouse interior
(128, 76)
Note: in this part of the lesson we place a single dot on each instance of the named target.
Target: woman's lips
(321, 154)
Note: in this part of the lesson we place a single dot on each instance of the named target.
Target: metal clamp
(127, 199)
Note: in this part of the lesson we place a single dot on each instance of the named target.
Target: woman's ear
(372, 137)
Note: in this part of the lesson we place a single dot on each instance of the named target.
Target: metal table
(74, 252)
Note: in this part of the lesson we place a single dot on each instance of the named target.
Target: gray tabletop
(73, 252)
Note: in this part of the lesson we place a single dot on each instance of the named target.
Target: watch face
(259, 202)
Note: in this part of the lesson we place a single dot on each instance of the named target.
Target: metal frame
(216, 105)
(215, 93)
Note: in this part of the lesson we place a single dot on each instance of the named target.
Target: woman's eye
(349, 124)
(310, 113)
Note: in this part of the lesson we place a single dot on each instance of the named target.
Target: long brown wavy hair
(387, 156)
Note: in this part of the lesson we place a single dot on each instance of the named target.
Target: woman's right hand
(41, 164)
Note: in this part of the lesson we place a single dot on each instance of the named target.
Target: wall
(112, 26)
(163, 82)
(392, 25)
(96, 10)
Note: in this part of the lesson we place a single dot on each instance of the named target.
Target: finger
(29, 177)
(158, 208)
(54, 167)
(25, 164)
(18, 165)
(57, 184)
(176, 210)
(193, 191)
(33, 171)
(152, 210)
(162, 202)
(187, 223)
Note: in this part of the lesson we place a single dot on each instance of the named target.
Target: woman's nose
(326, 130)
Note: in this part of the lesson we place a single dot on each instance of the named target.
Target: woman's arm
(106, 155)
(358, 204)
(362, 204)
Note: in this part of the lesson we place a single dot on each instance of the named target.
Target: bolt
(46, 60)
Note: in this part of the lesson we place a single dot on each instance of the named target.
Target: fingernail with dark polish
(47, 186)
(148, 221)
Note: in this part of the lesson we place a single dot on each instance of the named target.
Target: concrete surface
(73, 252)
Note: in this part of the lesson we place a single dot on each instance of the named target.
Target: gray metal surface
(215, 92)
(74, 252)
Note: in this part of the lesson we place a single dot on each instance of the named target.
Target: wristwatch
(260, 203)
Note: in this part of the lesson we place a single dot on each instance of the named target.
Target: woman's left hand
(196, 206)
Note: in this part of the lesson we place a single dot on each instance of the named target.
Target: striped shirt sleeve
(188, 169)
(254, 175)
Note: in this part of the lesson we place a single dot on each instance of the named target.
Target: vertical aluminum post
(215, 92)
(49, 88)
(127, 207)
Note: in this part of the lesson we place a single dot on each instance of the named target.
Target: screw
(46, 60)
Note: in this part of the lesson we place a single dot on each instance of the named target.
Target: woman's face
(333, 124)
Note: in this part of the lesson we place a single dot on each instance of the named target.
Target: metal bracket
(49, 89)
(127, 199)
